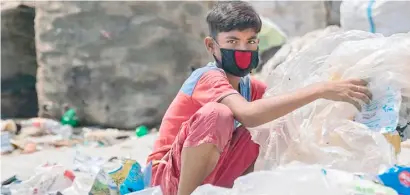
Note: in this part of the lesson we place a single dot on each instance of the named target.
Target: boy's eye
(252, 42)
(232, 41)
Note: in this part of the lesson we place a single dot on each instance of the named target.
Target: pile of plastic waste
(335, 134)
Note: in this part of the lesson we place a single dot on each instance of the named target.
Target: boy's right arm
(258, 112)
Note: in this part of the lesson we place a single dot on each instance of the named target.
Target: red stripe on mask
(243, 59)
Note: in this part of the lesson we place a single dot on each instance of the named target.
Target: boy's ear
(209, 44)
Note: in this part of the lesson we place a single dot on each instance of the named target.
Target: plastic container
(70, 118)
(141, 131)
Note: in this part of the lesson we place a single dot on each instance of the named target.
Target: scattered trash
(29, 148)
(6, 146)
(48, 179)
(9, 180)
(9, 126)
(398, 178)
(134, 181)
(106, 137)
(49, 126)
(103, 185)
(87, 164)
(70, 118)
(141, 131)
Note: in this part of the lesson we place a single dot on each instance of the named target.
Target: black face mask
(238, 62)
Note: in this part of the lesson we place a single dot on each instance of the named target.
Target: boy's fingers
(360, 82)
(360, 96)
(354, 103)
(363, 90)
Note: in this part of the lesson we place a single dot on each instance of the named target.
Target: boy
(203, 136)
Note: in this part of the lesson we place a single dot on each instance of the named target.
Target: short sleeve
(213, 86)
(258, 89)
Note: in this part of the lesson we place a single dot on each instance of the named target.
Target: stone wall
(119, 64)
(18, 61)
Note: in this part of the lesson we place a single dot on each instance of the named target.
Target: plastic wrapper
(324, 132)
(398, 178)
(48, 179)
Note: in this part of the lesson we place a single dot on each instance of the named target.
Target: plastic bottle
(141, 131)
(70, 118)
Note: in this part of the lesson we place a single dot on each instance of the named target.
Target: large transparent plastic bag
(323, 132)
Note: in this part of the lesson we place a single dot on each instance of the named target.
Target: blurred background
(120, 64)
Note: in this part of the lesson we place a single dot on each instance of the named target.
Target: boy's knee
(217, 109)
(213, 123)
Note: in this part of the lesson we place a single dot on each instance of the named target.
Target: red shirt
(206, 84)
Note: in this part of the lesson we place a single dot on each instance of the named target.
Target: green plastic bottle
(141, 131)
(70, 118)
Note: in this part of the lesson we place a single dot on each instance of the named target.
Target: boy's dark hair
(232, 15)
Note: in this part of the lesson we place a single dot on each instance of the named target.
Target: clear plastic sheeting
(292, 47)
(299, 179)
(323, 132)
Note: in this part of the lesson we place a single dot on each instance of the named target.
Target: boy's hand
(346, 91)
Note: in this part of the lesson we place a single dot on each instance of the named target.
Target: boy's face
(238, 40)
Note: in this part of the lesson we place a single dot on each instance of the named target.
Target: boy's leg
(202, 152)
(197, 164)
(220, 169)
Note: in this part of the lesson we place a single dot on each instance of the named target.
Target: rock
(119, 64)
(295, 18)
(18, 61)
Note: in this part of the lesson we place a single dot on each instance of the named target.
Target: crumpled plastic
(323, 132)
(299, 179)
(48, 179)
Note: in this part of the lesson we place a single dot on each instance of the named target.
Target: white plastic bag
(381, 16)
(323, 132)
